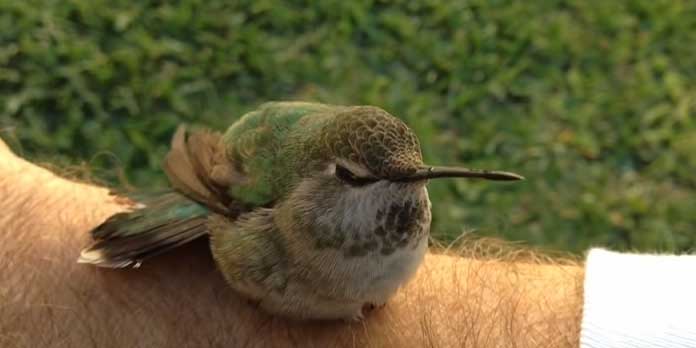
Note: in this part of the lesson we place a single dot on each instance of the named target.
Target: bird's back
(264, 147)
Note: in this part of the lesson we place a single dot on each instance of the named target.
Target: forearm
(477, 302)
(180, 298)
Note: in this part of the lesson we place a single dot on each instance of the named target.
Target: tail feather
(157, 224)
(196, 166)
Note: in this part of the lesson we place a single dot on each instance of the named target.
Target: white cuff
(637, 301)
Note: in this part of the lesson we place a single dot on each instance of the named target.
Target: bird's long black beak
(425, 173)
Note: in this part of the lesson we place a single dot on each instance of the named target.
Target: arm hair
(480, 293)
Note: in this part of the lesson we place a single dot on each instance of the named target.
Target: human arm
(180, 299)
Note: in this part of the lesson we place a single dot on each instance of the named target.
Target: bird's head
(366, 193)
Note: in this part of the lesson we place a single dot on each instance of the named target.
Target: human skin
(179, 299)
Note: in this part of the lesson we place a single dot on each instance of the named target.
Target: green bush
(593, 101)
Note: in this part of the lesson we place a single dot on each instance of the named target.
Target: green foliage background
(594, 101)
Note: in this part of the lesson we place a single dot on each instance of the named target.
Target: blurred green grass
(593, 101)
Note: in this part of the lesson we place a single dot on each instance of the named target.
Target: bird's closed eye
(351, 179)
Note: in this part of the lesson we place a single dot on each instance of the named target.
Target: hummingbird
(312, 211)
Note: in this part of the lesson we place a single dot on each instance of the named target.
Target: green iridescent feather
(264, 143)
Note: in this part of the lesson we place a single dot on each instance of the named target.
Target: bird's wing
(156, 223)
(160, 221)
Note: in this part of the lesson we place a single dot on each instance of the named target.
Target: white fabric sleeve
(638, 300)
